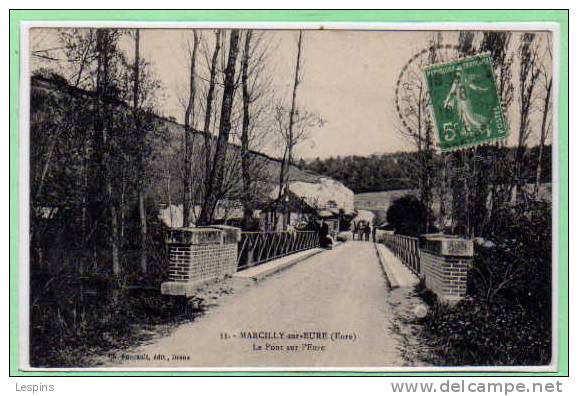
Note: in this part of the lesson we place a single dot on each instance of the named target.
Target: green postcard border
(559, 17)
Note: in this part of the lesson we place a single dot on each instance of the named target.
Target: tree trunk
(114, 239)
(245, 155)
(83, 215)
(479, 191)
(189, 122)
(497, 44)
(169, 195)
(288, 153)
(209, 108)
(293, 104)
(40, 183)
(140, 136)
(543, 128)
(122, 207)
(218, 169)
(528, 74)
(102, 148)
(282, 176)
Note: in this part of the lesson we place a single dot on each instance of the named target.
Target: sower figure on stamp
(459, 98)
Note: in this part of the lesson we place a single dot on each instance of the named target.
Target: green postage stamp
(466, 104)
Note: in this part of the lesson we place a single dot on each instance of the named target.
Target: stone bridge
(327, 308)
(198, 256)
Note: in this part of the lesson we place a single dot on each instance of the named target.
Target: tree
(218, 169)
(292, 126)
(106, 49)
(408, 216)
(139, 133)
(288, 133)
(245, 153)
(79, 49)
(497, 43)
(416, 115)
(546, 119)
(293, 98)
(255, 95)
(189, 136)
(469, 170)
(209, 109)
(117, 132)
(527, 79)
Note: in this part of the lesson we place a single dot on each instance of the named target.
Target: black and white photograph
(289, 197)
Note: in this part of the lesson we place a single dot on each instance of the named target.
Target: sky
(349, 79)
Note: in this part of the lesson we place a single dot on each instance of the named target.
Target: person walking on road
(367, 231)
(324, 239)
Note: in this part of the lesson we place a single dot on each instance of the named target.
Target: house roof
(292, 201)
(325, 214)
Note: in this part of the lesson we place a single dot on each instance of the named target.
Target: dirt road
(330, 310)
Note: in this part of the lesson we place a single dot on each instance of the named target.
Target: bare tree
(466, 175)
(79, 49)
(528, 75)
(255, 83)
(105, 47)
(303, 122)
(209, 108)
(140, 136)
(189, 136)
(218, 168)
(288, 133)
(414, 108)
(296, 82)
(247, 210)
(497, 43)
(546, 121)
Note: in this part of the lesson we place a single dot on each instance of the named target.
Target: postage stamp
(466, 103)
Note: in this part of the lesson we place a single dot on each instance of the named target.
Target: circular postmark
(411, 94)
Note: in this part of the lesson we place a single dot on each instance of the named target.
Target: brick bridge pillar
(445, 262)
(199, 255)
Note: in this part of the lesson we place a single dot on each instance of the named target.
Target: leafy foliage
(74, 319)
(506, 320)
(408, 216)
(473, 333)
(396, 171)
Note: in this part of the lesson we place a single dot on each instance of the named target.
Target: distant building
(325, 199)
(309, 193)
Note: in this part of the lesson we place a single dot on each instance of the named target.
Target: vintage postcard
(289, 197)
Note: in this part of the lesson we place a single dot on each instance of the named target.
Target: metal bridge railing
(259, 247)
(406, 248)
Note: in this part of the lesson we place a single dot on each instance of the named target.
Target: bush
(79, 309)
(506, 320)
(408, 215)
(73, 319)
(517, 267)
(474, 333)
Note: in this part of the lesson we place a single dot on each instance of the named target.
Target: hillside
(397, 171)
(366, 174)
(50, 99)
